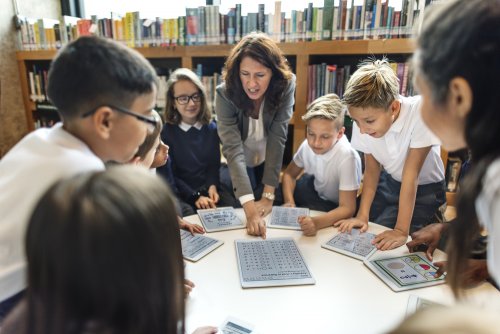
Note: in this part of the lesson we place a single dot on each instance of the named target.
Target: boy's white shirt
(26, 172)
(488, 212)
(408, 131)
(337, 169)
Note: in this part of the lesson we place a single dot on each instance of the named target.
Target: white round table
(347, 297)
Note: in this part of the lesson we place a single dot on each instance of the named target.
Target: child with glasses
(194, 144)
(90, 82)
(104, 256)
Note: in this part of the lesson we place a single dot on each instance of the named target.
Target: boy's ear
(341, 133)
(395, 107)
(460, 96)
(135, 160)
(102, 121)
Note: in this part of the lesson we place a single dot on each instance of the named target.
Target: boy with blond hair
(403, 183)
(104, 93)
(331, 167)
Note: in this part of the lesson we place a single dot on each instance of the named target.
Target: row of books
(330, 78)
(341, 19)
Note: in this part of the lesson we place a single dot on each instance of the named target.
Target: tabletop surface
(347, 297)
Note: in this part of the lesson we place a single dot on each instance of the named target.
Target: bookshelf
(299, 54)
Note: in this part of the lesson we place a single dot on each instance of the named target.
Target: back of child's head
(373, 85)
(327, 107)
(172, 115)
(150, 140)
(93, 71)
(104, 256)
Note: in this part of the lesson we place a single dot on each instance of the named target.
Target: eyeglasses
(184, 99)
(149, 120)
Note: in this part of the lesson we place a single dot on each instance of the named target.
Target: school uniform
(326, 174)
(391, 150)
(488, 212)
(26, 172)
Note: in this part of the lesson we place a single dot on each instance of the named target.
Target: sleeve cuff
(246, 198)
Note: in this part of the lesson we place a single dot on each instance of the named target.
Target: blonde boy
(403, 180)
(331, 167)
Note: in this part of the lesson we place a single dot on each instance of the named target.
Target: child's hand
(204, 203)
(289, 205)
(206, 330)
(428, 236)
(346, 225)
(390, 240)
(188, 286)
(475, 272)
(192, 228)
(213, 194)
(307, 225)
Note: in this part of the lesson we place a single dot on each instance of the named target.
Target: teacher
(254, 105)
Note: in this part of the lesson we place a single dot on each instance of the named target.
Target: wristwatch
(269, 196)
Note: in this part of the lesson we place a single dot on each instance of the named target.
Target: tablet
(355, 244)
(236, 326)
(220, 219)
(287, 217)
(416, 303)
(194, 247)
(405, 272)
(271, 262)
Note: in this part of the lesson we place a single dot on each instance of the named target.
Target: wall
(12, 115)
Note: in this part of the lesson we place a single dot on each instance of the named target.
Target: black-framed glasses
(184, 99)
(149, 120)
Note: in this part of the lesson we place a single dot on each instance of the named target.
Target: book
(220, 219)
(195, 247)
(404, 272)
(287, 217)
(271, 262)
(355, 244)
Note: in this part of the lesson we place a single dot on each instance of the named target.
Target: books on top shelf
(205, 25)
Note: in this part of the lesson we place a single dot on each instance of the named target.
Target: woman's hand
(213, 194)
(255, 223)
(204, 202)
(264, 206)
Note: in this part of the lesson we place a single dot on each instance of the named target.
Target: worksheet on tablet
(405, 272)
(287, 217)
(194, 247)
(416, 303)
(236, 326)
(220, 219)
(354, 244)
(271, 262)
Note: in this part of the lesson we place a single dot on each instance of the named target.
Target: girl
(403, 184)
(194, 143)
(104, 256)
(457, 69)
(254, 106)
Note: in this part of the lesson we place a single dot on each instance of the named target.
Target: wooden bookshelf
(300, 51)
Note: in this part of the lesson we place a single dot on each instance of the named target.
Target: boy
(403, 182)
(104, 93)
(332, 168)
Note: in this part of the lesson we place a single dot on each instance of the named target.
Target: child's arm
(346, 208)
(409, 184)
(370, 182)
(288, 183)
(193, 228)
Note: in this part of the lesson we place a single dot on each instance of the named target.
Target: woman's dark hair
(462, 39)
(264, 50)
(171, 113)
(104, 256)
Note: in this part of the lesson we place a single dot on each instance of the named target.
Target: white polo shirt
(337, 169)
(26, 172)
(408, 131)
(488, 213)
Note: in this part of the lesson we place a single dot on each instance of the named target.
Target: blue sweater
(194, 158)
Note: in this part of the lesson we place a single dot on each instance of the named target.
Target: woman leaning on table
(254, 105)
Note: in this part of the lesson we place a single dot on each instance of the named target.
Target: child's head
(186, 98)
(372, 97)
(151, 146)
(104, 250)
(104, 93)
(256, 67)
(457, 69)
(325, 123)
